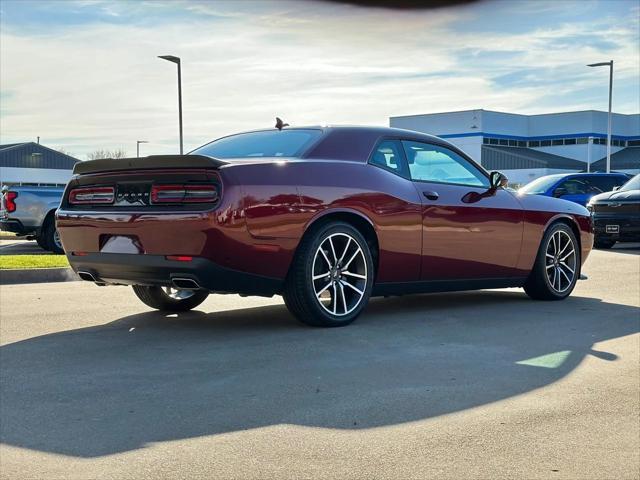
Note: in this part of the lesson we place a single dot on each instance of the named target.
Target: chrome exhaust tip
(185, 283)
(86, 276)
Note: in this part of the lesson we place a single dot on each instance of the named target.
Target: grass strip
(8, 262)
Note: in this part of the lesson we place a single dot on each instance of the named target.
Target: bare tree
(115, 153)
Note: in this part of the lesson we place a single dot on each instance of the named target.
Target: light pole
(610, 65)
(138, 142)
(589, 142)
(176, 60)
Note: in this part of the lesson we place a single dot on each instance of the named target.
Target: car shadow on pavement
(152, 377)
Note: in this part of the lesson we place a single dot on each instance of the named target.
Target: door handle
(431, 195)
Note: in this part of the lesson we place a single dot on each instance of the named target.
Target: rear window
(268, 143)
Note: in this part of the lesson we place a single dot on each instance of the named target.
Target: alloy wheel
(56, 239)
(561, 260)
(339, 274)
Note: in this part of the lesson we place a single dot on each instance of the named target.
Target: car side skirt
(434, 286)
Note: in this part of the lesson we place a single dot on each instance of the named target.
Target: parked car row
(612, 198)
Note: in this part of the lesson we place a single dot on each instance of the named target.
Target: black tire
(539, 285)
(40, 240)
(156, 297)
(50, 236)
(300, 288)
(603, 244)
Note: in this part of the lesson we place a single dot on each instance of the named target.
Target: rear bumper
(131, 269)
(15, 226)
(628, 228)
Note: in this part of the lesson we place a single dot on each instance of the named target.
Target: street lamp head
(601, 64)
(170, 58)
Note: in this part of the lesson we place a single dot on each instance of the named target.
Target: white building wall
(10, 175)
(449, 123)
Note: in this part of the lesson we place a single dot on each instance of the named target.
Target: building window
(485, 140)
(557, 142)
(493, 141)
(513, 143)
(522, 143)
(534, 143)
(633, 143)
(583, 141)
(545, 143)
(569, 141)
(504, 142)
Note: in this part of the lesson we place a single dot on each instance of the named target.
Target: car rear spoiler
(146, 163)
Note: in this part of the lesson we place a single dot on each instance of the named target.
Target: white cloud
(100, 85)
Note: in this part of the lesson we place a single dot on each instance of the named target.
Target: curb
(37, 275)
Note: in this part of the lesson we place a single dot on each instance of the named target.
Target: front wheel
(557, 266)
(331, 277)
(170, 299)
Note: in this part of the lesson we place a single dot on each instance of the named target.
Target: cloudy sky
(84, 74)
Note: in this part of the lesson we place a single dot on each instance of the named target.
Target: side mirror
(498, 180)
(559, 192)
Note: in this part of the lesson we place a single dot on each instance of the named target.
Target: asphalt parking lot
(468, 385)
(21, 246)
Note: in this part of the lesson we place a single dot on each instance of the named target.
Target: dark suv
(616, 215)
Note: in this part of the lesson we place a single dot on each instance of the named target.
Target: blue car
(575, 187)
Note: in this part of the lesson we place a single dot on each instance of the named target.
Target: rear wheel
(50, 236)
(40, 240)
(331, 277)
(170, 299)
(557, 266)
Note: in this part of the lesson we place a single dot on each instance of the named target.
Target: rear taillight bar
(92, 195)
(10, 201)
(184, 193)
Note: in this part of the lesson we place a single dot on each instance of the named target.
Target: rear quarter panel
(282, 200)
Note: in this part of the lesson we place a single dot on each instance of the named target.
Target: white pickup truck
(30, 211)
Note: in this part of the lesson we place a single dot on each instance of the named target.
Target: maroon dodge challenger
(325, 216)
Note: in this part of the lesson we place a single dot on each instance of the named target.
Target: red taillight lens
(184, 194)
(179, 258)
(10, 201)
(91, 195)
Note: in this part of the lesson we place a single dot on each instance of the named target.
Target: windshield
(267, 143)
(633, 184)
(539, 185)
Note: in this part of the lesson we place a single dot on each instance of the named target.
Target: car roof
(382, 131)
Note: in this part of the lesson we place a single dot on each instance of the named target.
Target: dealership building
(30, 163)
(525, 147)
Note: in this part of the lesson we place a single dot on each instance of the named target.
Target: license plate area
(121, 244)
(612, 228)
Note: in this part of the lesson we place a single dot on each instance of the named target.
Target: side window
(601, 184)
(572, 187)
(388, 155)
(433, 163)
